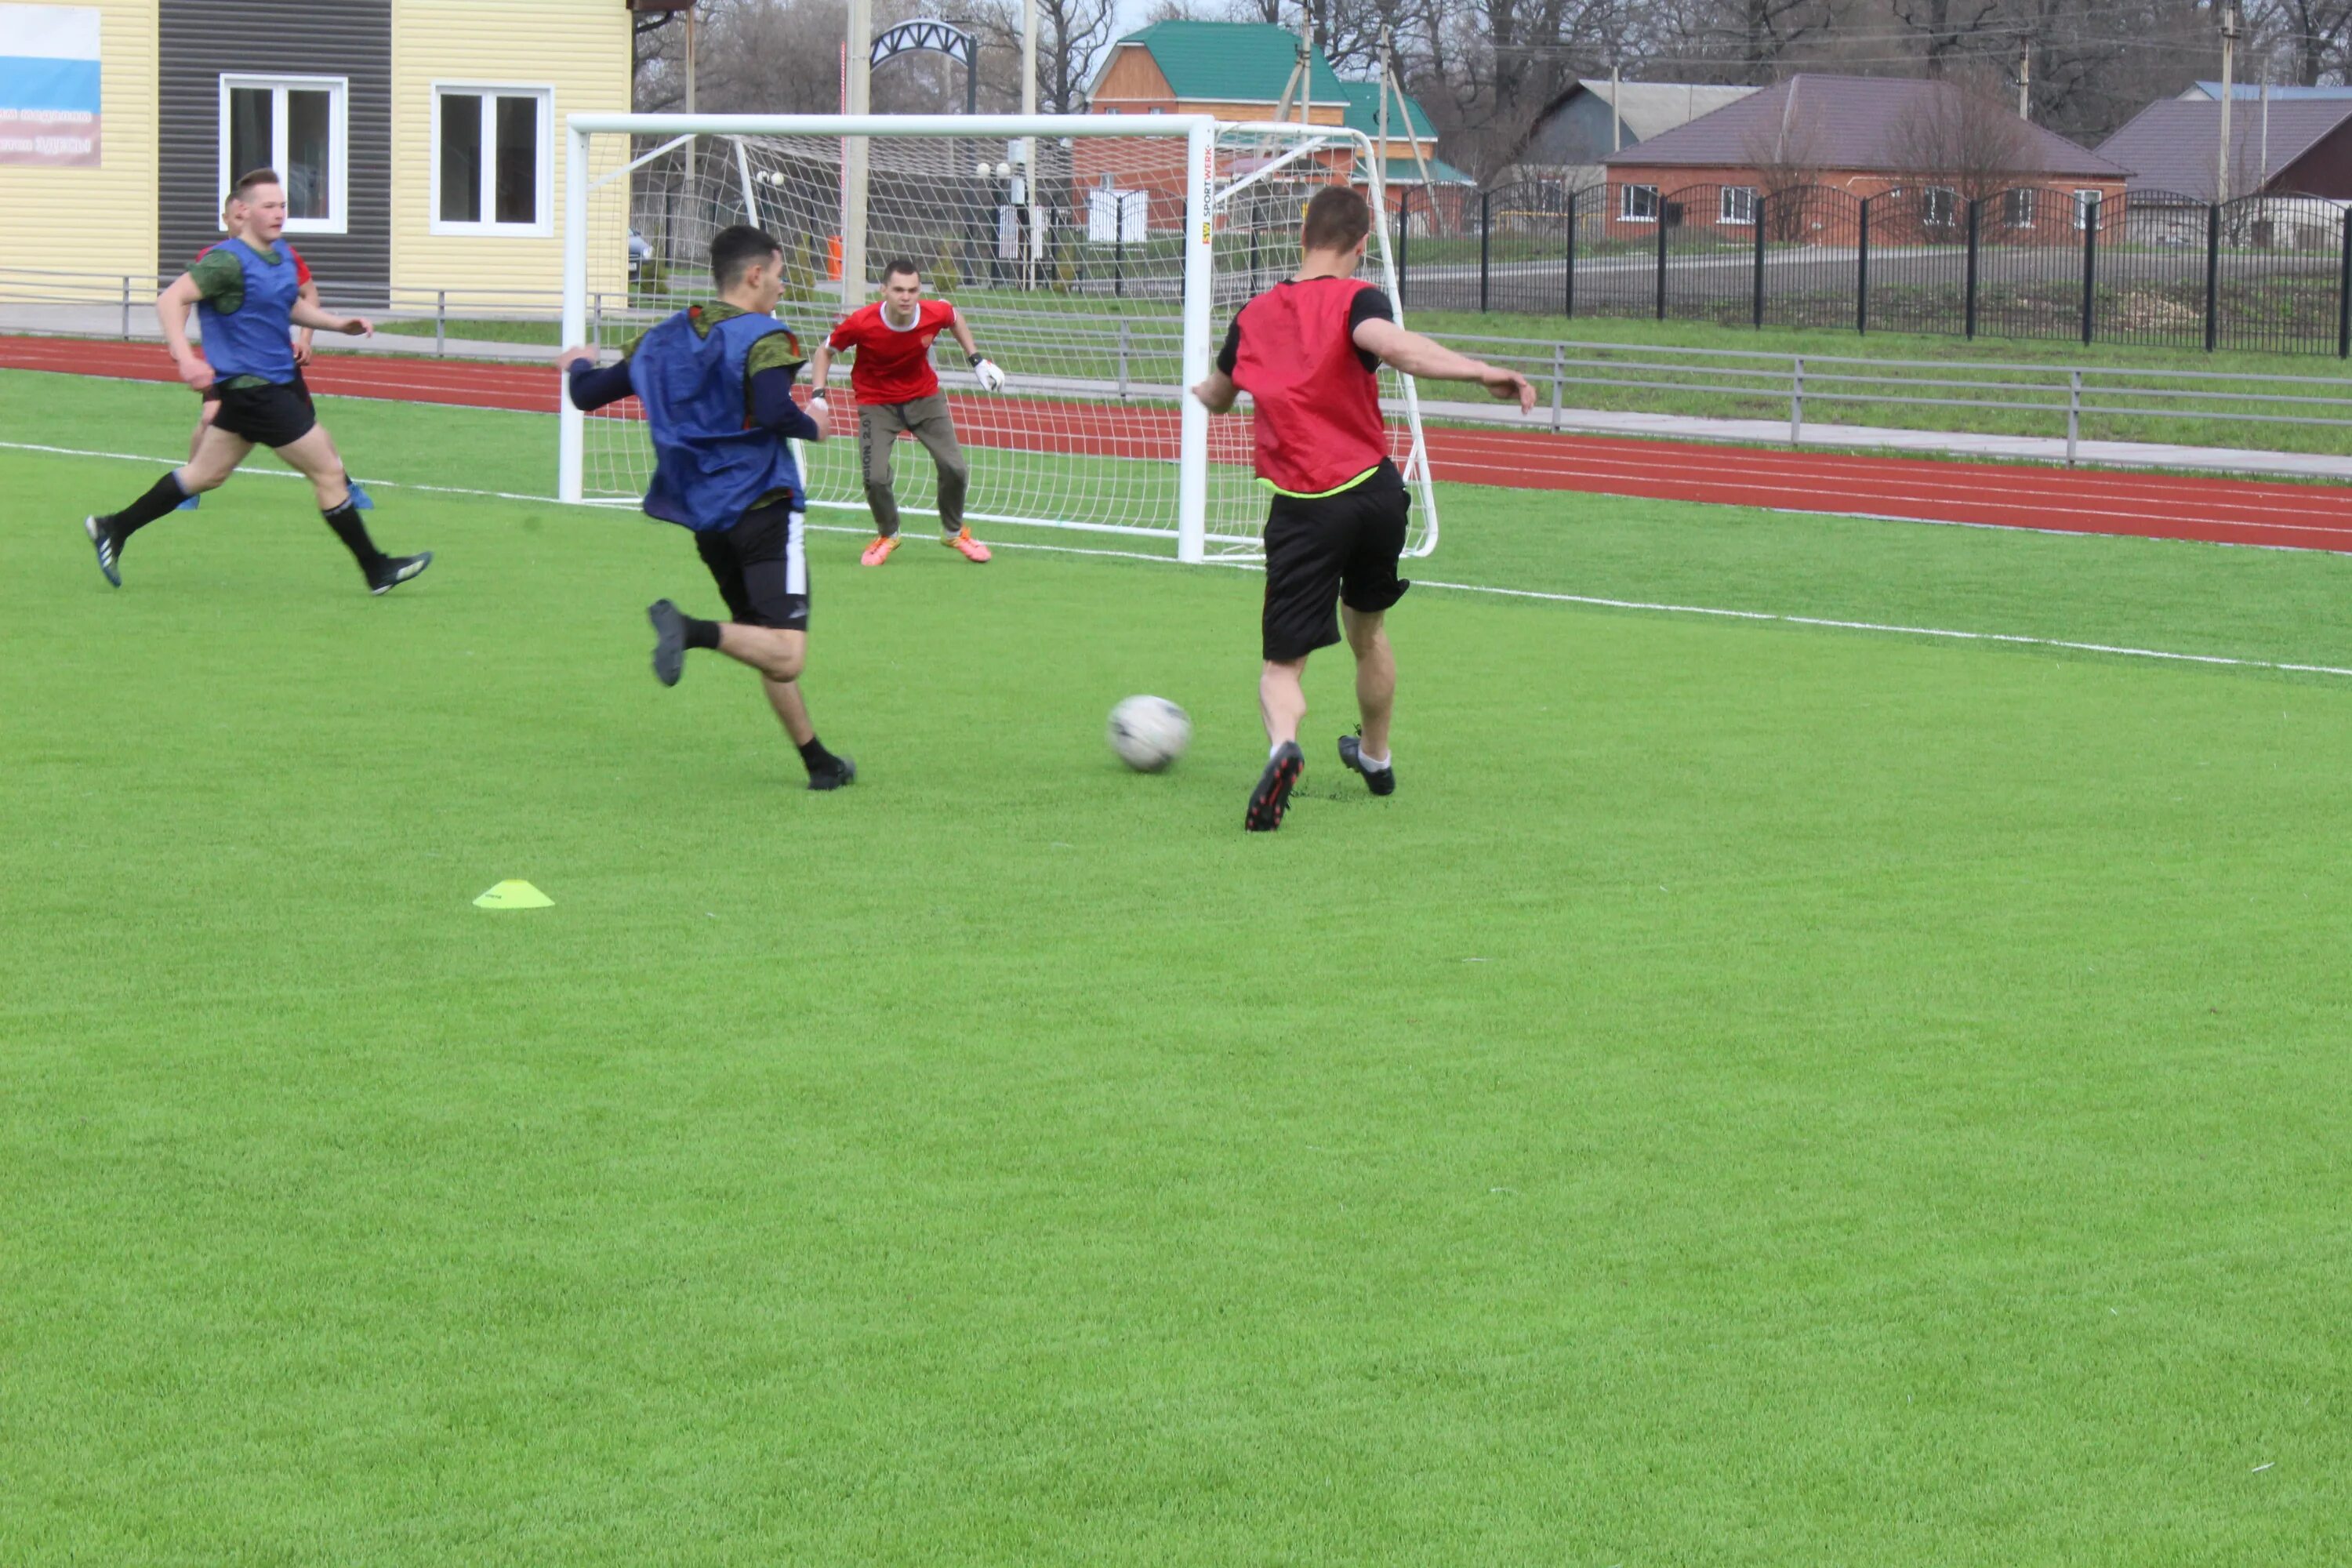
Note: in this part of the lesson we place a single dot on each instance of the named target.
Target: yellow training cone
(515, 895)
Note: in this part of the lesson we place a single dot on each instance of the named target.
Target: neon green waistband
(1318, 495)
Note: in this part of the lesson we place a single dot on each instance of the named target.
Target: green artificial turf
(1757, 1093)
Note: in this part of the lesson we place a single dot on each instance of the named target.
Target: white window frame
(1728, 216)
(2086, 197)
(543, 202)
(1626, 213)
(339, 143)
(1934, 196)
(2009, 204)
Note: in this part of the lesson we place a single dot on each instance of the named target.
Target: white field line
(1643, 605)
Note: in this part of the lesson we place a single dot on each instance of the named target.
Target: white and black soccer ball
(1148, 732)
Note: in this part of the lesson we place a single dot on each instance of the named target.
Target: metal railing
(2056, 399)
(1140, 355)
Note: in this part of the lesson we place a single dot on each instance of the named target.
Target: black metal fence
(2269, 273)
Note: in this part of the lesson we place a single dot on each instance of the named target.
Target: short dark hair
(250, 178)
(900, 264)
(1336, 219)
(736, 248)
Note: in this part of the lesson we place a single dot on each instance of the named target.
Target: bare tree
(1788, 160)
(1964, 140)
(1071, 37)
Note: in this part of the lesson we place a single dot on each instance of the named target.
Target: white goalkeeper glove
(991, 378)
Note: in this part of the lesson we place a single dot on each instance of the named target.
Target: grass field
(1758, 1093)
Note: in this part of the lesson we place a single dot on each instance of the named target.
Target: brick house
(1841, 140)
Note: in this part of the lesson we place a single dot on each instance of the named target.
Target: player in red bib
(1308, 351)
(897, 392)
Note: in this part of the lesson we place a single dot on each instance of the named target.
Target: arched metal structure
(938, 38)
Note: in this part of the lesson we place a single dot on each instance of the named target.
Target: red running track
(2218, 511)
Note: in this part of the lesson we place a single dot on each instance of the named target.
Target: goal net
(1101, 284)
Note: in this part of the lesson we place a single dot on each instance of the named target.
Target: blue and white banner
(48, 85)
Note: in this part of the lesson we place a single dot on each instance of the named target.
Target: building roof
(2175, 144)
(1364, 112)
(1652, 107)
(1850, 121)
(1231, 62)
(2280, 92)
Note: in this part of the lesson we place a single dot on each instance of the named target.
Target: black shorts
(302, 389)
(759, 566)
(272, 415)
(1343, 547)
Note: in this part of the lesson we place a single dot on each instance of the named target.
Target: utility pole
(1380, 169)
(1616, 115)
(2025, 81)
(859, 57)
(2229, 92)
(689, 91)
(2262, 160)
(1028, 193)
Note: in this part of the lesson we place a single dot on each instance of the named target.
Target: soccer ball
(1148, 732)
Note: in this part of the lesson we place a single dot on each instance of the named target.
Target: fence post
(1122, 359)
(596, 335)
(2090, 210)
(440, 321)
(126, 308)
(1968, 293)
(1559, 372)
(1118, 249)
(1662, 256)
(1568, 266)
(2212, 275)
(1486, 240)
(1797, 403)
(1254, 258)
(1861, 270)
(1756, 218)
(2073, 411)
(2343, 294)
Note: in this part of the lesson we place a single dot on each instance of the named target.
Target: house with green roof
(1237, 70)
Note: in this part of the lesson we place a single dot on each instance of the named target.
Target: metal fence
(2270, 273)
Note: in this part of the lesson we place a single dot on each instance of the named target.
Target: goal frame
(1199, 132)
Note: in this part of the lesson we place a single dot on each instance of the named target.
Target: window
(1936, 205)
(2086, 207)
(493, 159)
(1738, 203)
(1637, 203)
(2017, 208)
(299, 126)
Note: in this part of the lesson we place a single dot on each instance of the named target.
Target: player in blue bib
(247, 292)
(716, 385)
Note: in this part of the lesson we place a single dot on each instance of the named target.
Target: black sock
(813, 754)
(160, 499)
(699, 633)
(345, 520)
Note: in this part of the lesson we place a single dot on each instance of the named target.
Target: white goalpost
(1095, 258)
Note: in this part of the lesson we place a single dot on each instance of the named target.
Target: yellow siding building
(549, 57)
(79, 218)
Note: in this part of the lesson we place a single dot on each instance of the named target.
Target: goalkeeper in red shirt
(897, 392)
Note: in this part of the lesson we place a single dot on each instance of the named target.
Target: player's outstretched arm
(1218, 393)
(991, 378)
(1418, 356)
(306, 314)
(589, 387)
(172, 308)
